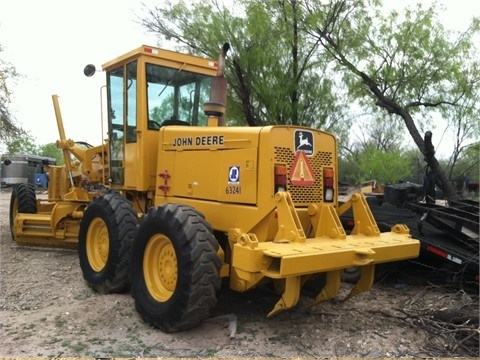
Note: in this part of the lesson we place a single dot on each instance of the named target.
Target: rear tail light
(280, 178)
(328, 184)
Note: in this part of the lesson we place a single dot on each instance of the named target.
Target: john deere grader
(174, 201)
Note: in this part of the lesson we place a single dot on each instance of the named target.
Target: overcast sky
(50, 41)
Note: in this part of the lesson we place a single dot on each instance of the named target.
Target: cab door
(122, 119)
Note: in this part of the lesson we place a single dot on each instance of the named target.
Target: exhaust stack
(218, 96)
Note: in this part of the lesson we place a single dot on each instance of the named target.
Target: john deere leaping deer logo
(304, 141)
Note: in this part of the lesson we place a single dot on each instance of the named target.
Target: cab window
(176, 96)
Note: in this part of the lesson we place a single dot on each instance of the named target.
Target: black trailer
(448, 233)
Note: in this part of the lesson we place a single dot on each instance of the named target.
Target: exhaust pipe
(218, 95)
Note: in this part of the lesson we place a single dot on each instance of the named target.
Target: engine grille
(305, 194)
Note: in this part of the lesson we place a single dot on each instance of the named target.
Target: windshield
(175, 96)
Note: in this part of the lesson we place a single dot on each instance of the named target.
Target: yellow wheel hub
(97, 244)
(160, 267)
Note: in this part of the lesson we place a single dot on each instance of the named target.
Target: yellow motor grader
(173, 202)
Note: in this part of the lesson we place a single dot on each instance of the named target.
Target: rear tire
(104, 243)
(22, 200)
(175, 268)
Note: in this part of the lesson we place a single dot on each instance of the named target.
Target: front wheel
(175, 268)
(104, 243)
(22, 200)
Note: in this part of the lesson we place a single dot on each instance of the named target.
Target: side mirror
(7, 162)
(89, 70)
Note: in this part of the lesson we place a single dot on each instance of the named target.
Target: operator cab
(148, 88)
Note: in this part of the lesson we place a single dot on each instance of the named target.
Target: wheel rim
(160, 267)
(97, 244)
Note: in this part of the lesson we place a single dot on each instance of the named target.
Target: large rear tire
(22, 200)
(104, 243)
(175, 268)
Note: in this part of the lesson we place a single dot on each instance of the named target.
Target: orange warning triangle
(301, 172)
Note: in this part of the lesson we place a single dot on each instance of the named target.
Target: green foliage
(51, 150)
(276, 75)
(405, 64)
(25, 144)
(349, 170)
(22, 144)
(8, 75)
(411, 58)
(469, 164)
(389, 167)
(280, 71)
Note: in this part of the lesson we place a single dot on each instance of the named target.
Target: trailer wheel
(22, 200)
(104, 243)
(175, 268)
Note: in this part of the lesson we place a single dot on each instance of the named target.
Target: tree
(465, 125)
(25, 144)
(466, 169)
(51, 150)
(376, 153)
(403, 66)
(22, 144)
(276, 75)
(409, 67)
(8, 129)
(386, 167)
(371, 163)
(378, 131)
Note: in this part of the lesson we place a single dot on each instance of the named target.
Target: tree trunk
(243, 93)
(389, 104)
(426, 148)
(441, 177)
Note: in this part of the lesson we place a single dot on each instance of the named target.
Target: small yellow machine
(371, 187)
(174, 201)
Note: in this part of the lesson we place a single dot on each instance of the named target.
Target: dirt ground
(47, 310)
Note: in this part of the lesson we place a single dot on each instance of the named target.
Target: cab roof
(207, 65)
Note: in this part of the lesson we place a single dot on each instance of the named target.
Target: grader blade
(55, 226)
(49, 242)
